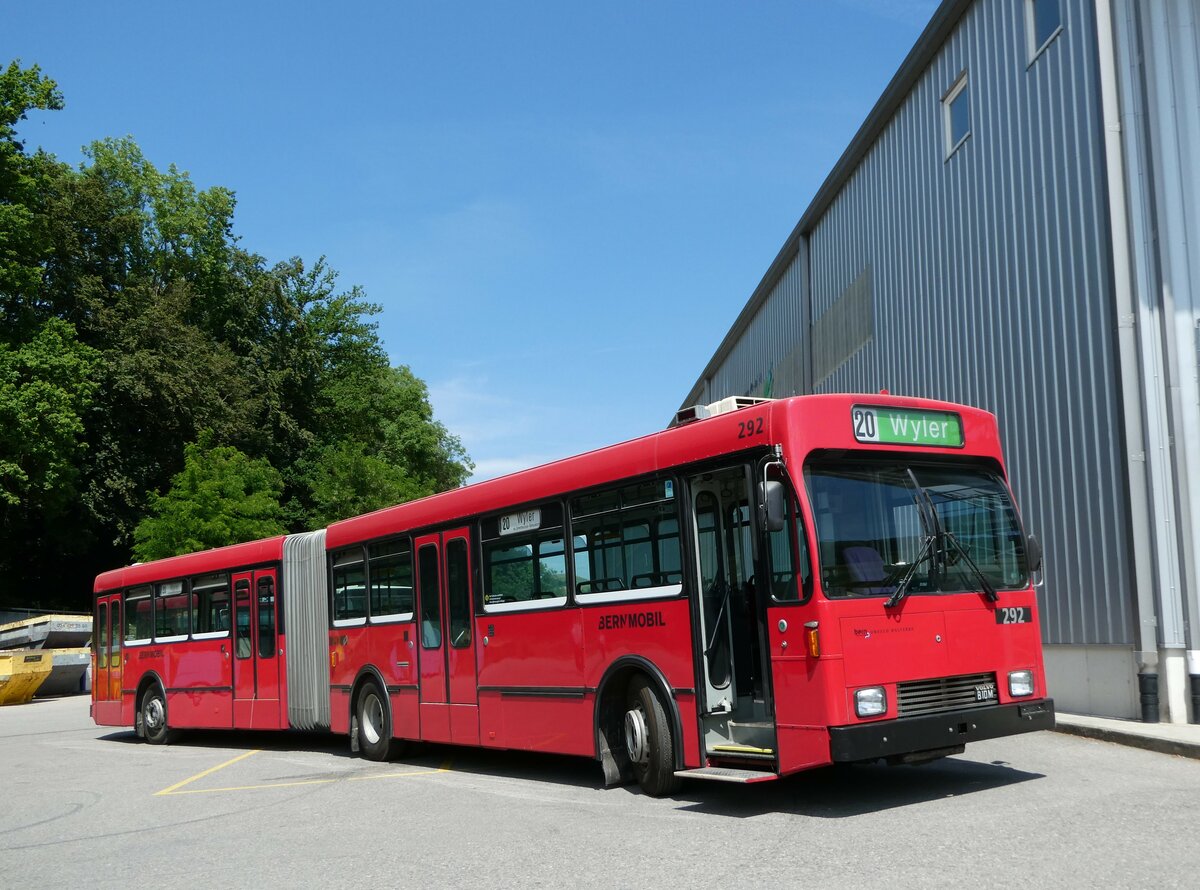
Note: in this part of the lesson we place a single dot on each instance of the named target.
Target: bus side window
(114, 641)
(791, 573)
(266, 617)
(242, 644)
(102, 636)
(431, 606)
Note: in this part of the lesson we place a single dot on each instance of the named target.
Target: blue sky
(561, 206)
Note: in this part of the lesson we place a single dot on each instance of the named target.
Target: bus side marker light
(812, 639)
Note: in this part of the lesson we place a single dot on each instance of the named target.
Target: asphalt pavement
(88, 806)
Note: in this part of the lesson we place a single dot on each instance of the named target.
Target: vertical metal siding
(992, 286)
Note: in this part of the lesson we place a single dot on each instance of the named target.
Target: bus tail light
(812, 639)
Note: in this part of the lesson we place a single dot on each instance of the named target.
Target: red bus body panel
(531, 679)
(197, 674)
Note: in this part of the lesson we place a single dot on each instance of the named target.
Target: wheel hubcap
(154, 714)
(636, 736)
(372, 720)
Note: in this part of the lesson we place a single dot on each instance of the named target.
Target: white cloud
(496, 429)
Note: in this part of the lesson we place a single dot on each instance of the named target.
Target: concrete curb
(1133, 739)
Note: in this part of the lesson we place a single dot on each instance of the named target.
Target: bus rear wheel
(153, 717)
(374, 725)
(648, 740)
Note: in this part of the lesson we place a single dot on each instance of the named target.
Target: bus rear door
(106, 670)
(256, 700)
(449, 696)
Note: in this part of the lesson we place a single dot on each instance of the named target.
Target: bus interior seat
(865, 564)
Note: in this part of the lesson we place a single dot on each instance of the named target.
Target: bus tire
(648, 739)
(153, 716)
(374, 725)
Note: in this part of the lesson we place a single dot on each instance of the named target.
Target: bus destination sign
(905, 426)
(525, 521)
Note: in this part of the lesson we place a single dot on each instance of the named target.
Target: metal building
(1010, 228)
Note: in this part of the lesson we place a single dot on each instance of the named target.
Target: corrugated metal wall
(991, 278)
(771, 357)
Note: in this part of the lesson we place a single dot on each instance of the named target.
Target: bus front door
(256, 698)
(449, 697)
(729, 612)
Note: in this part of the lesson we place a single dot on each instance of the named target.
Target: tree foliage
(220, 497)
(132, 319)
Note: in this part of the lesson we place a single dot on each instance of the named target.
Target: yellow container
(22, 671)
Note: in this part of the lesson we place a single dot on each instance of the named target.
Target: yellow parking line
(207, 772)
(444, 768)
(174, 789)
(252, 787)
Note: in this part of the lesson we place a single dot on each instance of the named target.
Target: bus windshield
(895, 529)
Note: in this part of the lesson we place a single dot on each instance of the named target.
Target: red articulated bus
(765, 587)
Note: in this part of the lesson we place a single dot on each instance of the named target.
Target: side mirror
(773, 512)
(1033, 553)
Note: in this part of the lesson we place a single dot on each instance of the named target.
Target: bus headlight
(870, 702)
(1020, 683)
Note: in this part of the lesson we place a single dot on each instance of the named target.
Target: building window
(1043, 21)
(956, 110)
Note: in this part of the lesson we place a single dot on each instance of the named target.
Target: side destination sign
(526, 520)
(905, 426)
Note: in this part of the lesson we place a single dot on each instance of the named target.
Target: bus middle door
(449, 702)
(255, 662)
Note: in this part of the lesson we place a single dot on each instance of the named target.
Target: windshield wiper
(930, 546)
(927, 551)
(988, 590)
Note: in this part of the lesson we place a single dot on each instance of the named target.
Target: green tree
(177, 329)
(23, 243)
(46, 386)
(220, 497)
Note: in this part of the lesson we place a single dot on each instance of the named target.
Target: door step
(723, 774)
(752, 734)
(741, 751)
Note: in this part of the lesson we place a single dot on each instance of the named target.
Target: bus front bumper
(937, 732)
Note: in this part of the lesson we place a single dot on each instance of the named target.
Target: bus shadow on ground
(246, 740)
(846, 791)
(826, 793)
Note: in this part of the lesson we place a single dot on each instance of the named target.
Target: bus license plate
(1014, 615)
(985, 692)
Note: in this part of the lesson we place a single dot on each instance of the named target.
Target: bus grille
(945, 694)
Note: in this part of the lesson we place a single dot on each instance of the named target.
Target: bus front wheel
(648, 739)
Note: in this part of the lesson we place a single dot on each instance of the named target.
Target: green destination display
(904, 426)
